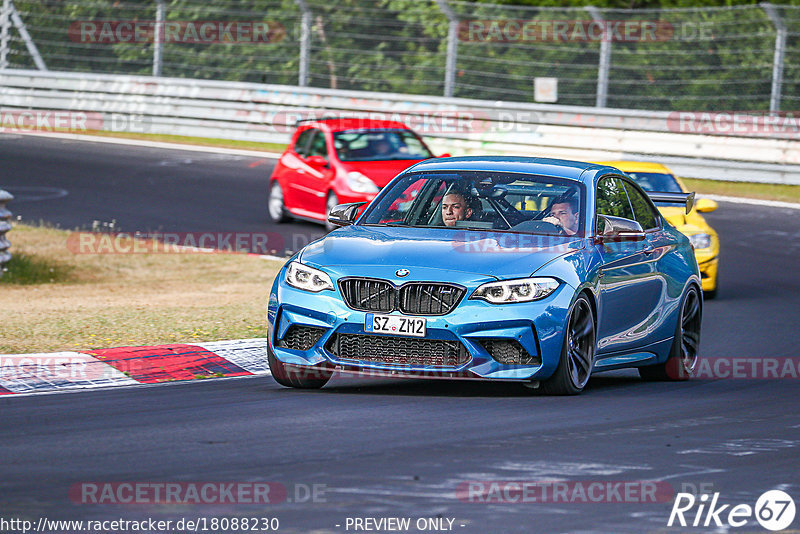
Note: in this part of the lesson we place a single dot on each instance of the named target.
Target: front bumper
(537, 327)
(708, 273)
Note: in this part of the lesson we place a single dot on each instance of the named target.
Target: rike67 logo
(774, 510)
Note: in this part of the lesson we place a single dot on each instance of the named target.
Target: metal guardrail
(5, 226)
(732, 57)
(267, 113)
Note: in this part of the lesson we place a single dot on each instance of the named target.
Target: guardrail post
(5, 33)
(777, 58)
(452, 47)
(26, 37)
(605, 59)
(5, 226)
(305, 43)
(158, 38)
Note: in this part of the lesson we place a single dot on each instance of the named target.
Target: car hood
(380, 172)
(435, 253)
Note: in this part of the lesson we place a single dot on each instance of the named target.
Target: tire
(577, 354)
(684, 354)
(332, 201)
(276, 207)
(291, 377)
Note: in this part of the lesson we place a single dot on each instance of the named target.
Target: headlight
(699, 241)
(522, 290)
(360, 183)
(307, 278)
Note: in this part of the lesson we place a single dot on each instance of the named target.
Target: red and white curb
(127, 366)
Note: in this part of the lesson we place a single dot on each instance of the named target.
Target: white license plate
(395, 324)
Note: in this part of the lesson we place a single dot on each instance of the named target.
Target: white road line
(156, 144)
(752, 201)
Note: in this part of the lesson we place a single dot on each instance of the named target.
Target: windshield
(478, 200)
(379, 145)
(656, 181)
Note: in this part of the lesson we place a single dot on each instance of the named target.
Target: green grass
(125, 299)
(786, 193)
(24, 269)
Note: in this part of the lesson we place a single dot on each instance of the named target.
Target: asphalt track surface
(383, 448)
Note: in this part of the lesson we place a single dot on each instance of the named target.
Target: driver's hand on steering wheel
(552, 220)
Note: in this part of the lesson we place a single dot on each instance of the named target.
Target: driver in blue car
(564, 214)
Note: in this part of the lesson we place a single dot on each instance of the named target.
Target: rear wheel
(275, 205)
(577, 353)
(295, 377)
(684, 354)
(331, 203)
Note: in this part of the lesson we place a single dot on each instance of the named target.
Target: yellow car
(657, 177)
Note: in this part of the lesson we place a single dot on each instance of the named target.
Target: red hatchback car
(336, 161)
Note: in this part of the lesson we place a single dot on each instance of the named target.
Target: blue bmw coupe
(532, 270)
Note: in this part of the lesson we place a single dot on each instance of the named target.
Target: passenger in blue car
(455, 207)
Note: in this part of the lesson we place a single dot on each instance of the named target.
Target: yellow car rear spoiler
(673, 198)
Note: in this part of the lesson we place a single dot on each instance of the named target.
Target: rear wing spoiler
(673, 198)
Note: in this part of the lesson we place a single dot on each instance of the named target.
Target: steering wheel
(558, 227)
(537, 227)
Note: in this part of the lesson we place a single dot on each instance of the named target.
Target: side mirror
(344, 214)
(705, 205)
(317, 161)
(618, 229)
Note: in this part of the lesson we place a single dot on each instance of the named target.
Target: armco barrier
(5, 226)
(261, 112)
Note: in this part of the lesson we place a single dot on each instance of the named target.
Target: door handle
(649, 250)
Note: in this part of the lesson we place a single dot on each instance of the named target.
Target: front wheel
(577, 353)
(684, 354)
(294, 377)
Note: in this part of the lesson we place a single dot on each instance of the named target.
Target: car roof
(354, 123)
(637, 166)
(559, 168)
